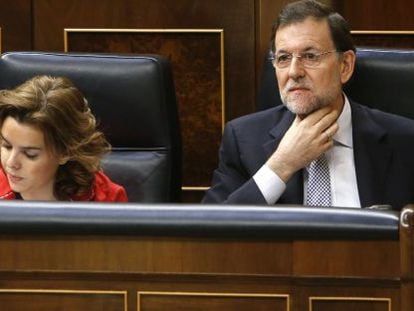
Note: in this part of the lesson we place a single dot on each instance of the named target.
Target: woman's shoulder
(105, 190)
(6, 192)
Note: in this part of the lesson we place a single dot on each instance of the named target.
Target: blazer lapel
(372, 155)
(294, 188)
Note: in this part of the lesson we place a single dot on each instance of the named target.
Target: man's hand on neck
(306, 140)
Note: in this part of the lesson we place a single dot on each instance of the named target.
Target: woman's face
(28, 164)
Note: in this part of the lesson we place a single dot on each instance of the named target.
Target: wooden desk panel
(45, 300)
(350, 258)
(183, 255)
(232, 272)
(146, 255)
(159, 301)
(152, 273)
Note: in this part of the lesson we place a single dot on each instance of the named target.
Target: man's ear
(347, 65)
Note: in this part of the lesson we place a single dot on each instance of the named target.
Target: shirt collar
(344, 134)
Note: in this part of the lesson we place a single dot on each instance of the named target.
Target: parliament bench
(82, 256)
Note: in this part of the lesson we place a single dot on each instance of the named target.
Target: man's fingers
(331, 131)
(327, 120)
(316, 116)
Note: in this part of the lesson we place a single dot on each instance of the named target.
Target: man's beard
(304, 105)
(297, 106)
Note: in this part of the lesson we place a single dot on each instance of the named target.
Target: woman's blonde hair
(56, 107)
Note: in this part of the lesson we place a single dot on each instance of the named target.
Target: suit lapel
(372, 155)
(294, 188)
(282, 124)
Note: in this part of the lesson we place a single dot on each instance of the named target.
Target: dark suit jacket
(383, 152)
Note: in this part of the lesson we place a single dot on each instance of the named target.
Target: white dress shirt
(341, 169)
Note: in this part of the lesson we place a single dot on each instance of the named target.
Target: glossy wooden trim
(382, 32)
(407, 257)
(195, 188)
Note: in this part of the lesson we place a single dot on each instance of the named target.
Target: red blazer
(103, 190)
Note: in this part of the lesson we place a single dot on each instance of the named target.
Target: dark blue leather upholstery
(133, 98)
(383, 79)
(281, 222)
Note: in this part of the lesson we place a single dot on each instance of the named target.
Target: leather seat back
(133, 99)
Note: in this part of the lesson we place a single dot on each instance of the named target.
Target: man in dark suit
(267, 157)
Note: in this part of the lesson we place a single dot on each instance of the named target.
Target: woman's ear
(347, 65)
(63, 160)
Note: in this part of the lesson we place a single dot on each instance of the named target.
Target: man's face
(303, 89)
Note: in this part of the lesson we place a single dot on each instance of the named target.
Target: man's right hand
(306, 140)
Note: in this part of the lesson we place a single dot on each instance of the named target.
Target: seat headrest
(127, 94)
(384, 79)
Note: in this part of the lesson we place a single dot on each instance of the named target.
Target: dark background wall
(216, 47)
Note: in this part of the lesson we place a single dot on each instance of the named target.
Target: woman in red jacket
(50, 147)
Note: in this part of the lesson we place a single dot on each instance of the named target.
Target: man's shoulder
(387, 120)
